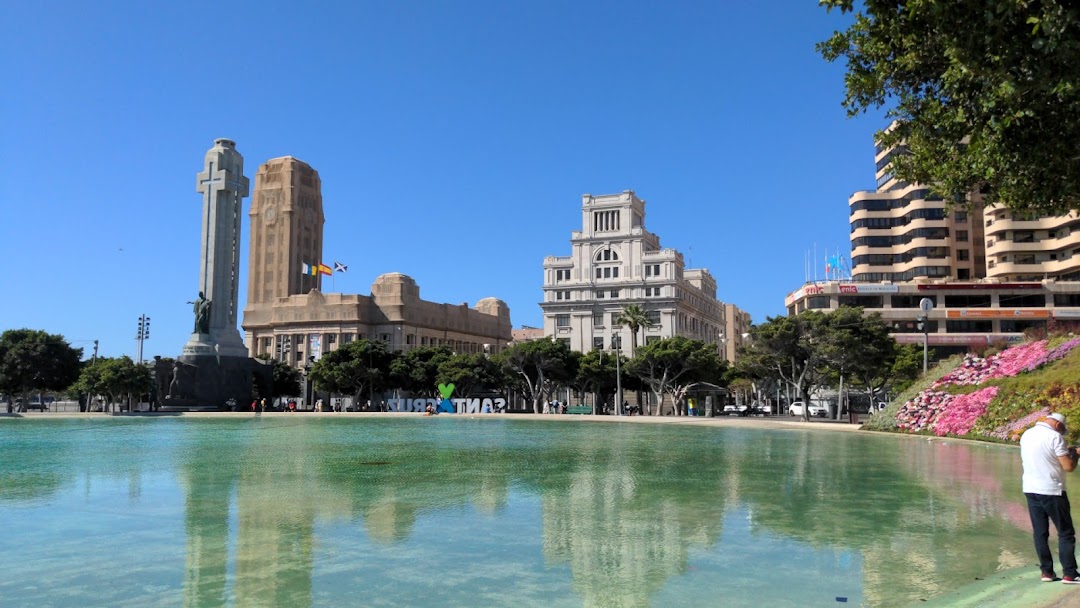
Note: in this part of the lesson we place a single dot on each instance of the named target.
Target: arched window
(606, 254)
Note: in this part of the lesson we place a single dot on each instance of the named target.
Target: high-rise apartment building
(1031, 248)
(902, 232)
(615, 262)
(990, 273)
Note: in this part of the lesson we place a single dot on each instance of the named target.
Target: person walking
(1046, 459)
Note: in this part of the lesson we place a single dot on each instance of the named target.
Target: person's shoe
(1071, 580)
(1049, 577)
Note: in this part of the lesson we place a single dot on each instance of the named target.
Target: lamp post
(925, 305)
(616, 343)
(307, 381)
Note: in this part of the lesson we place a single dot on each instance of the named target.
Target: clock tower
(286, 230)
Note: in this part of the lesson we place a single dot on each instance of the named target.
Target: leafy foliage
(417, 370)
(671, 365)
(538, 366)
(353, 369)
(469, 373)
(984, 94)
(33, 360)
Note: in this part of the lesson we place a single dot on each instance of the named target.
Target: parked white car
(816, 411)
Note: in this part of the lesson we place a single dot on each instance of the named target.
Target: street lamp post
(617, 344)
(925, 305)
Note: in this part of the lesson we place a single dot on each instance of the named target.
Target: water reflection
(303, 512)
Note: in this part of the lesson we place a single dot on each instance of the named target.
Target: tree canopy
(984, 94)
(353, 369)
(33, 360)
(671, 365)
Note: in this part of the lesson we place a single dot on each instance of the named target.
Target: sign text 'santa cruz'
(461, 406)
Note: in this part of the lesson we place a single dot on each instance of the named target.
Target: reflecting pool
(457, 511)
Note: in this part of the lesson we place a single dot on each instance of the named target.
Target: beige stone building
(989, 273)
(288, 317)
(615, 261)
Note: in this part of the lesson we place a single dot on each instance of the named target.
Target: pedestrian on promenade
(254, 405)
(1046, 459)
(262, 405)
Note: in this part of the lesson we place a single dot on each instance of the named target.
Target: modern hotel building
(990, 273)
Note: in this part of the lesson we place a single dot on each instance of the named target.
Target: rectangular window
(653, 316)
(598, 343)
(599, 273)
(614, 293)
(961, 217)
(962, 255)
(598, 320)
(615, 272)
(562, 320)
(817, 302)
(600, 294)
(961, 236)
(607, 273)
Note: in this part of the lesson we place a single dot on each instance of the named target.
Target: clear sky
(454, 141)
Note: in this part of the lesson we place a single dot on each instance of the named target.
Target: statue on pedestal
(202, 314)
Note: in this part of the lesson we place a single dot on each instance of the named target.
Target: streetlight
(925, 305)
(616, 343)
(142, 335)
(307, 382)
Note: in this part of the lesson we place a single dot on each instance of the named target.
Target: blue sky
(454, 141)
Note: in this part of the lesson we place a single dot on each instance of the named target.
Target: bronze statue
(202, 314)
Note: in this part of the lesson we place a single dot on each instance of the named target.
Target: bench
(579, 409)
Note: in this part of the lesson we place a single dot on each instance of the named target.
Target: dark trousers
(1043, 509)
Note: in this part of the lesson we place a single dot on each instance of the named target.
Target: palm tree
(634, 317)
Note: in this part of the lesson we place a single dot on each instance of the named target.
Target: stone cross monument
(223, 188)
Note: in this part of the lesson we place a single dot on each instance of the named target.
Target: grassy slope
(1064, 372)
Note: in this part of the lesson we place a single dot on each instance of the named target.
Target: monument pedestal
(211, 382)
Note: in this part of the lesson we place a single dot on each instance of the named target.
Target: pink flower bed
(920, 412)
(961, 412)
(948, 414)
(1014, 429)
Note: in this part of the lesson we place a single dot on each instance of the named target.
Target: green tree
(854, 345)
(358, 369)
(286, 380)
(672, 365)
(634, 317)
(417, 370)
(596, 373)
(118, 379)
(469, 373)
(984, 94)
(540, 365)
(36, 361)
(790, 347)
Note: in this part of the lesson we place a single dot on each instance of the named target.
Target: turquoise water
(456, 511)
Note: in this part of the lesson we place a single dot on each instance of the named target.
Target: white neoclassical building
(615, 262)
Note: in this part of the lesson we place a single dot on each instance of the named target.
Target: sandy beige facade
(1023, 248)
(289, 318)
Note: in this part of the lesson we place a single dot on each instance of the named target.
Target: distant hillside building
(615, 262)
(289, 318)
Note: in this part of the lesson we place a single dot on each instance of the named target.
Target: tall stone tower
(223, 188)
(286, 230)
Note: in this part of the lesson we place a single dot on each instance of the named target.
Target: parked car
(736, 410)
(761, 409)
(816, 411)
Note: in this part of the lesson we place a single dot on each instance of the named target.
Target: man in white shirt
(1046, 458)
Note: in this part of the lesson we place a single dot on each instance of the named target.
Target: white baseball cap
(1060, 418)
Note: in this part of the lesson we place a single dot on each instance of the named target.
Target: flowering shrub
(960, 413)
(920, 412)
(991, 411)
(1059, 351)
(1014, 429)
